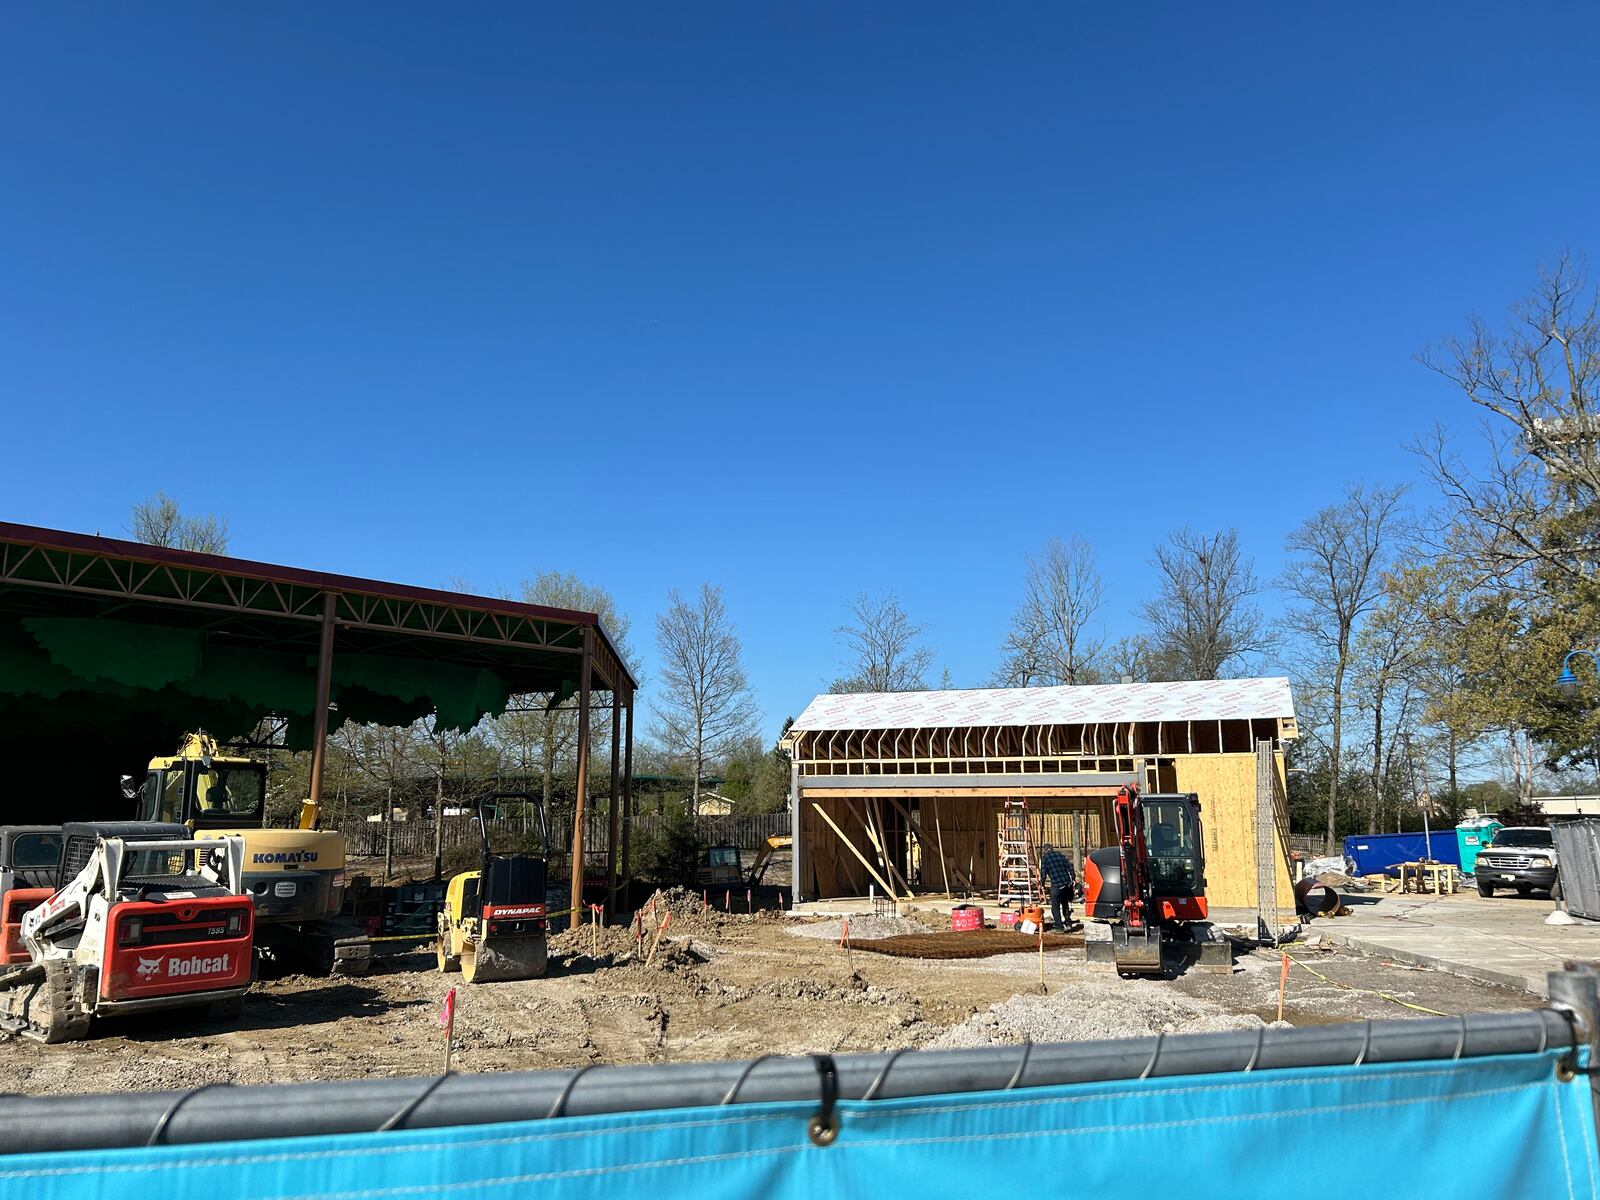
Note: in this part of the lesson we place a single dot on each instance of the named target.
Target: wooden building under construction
(905, 791)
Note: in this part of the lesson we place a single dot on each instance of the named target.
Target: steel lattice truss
(282, 606)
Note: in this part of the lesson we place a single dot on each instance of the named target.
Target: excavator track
(322, 948)
(38, 1001)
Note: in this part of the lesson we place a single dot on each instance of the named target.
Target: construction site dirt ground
(721, 986)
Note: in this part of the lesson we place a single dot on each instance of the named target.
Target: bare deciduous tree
(706, 708)
(1335, 574)
(1384, 651)
(539, 731)
(1050, 641)
(388, 757)
(882, 640)
(1203, 617)
(1132, 660)
(1532, 502)
(157, 522)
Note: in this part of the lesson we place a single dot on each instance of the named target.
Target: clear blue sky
(802, 300)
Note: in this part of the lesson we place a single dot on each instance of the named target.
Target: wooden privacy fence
(414, 839)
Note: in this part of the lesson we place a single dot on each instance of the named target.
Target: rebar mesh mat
(972, 943)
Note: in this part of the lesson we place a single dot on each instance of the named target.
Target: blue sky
(800, 299)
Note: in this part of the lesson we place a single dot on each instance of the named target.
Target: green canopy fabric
(460, 696)
(124, 666)
(144, 656)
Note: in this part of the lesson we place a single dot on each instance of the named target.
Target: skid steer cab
(494, 924)
(136, 916)
(30, 860)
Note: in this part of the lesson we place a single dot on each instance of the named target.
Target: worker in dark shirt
(1060, 882)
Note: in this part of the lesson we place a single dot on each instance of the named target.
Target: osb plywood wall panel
(1226, 785)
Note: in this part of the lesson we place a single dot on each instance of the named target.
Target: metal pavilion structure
(272, 614)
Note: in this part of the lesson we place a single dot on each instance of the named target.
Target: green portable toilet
(1472, 836)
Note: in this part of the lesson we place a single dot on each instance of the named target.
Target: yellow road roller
(494, 924)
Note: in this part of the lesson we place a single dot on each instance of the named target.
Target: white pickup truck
(1520, 857)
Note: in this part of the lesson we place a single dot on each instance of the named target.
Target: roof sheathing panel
(1093, 704)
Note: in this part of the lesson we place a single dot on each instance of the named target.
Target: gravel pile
(1090, 1010)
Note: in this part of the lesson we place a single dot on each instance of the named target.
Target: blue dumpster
(1382, 853)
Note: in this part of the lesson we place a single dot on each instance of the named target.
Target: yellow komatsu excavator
(294, 877)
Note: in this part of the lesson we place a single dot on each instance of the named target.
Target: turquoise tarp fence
(1500, 1127)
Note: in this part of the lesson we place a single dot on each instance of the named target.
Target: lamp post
(1568, 683)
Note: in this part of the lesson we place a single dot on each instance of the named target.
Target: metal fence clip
(1567, 1068)
(1016, 1076)
(1366, 1045)
(738, 1084)
(560, 1106)
(872, 1090)
(1161, 1040)
(1255, 1055)
(159, 1133)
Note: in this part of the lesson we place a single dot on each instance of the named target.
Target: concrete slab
(1497, 940)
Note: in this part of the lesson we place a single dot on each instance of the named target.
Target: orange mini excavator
(1151, 887)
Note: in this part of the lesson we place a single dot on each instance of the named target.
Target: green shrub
(667, 854)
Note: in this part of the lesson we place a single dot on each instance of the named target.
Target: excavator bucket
(1136, 951)
(1131, 951)
(1153, 954)
(505, 958)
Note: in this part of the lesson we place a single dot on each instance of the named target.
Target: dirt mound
(691, 914)
(679, 901)
(591, 942)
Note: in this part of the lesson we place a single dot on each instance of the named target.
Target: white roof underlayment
(1199, 700)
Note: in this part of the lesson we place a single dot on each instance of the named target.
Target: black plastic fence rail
(226, 1113)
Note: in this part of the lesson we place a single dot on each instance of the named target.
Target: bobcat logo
(148, 967)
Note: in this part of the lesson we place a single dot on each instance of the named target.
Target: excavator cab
(1151, 886)
(201, 789)
(295, 877)
(719, 867)
(1177, 857)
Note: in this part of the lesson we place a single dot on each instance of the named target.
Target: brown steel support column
(614, 806)
(627, 796)
(319, 713)
(581, 799)
(797, 846)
